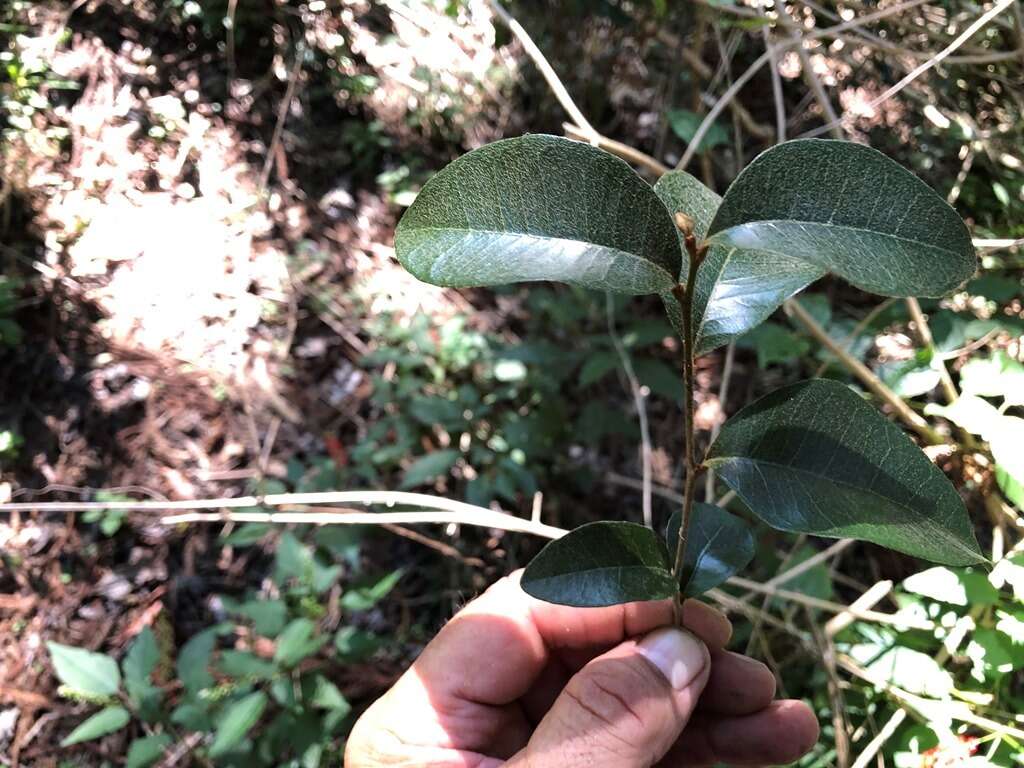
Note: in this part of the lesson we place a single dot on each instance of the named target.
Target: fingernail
(677, 654)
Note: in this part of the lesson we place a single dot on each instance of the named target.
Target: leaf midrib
(803, 222)
(914, 512)
(656, 569)
(505, 233)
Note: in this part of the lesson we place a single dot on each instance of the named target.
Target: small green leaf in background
(194, 661)
(563, 211)
(956, 586)
(137, 666)
(364, 597)
(246, 666)
(142, 658)
(910, 378)
(292, 560)
(661, 378)
(815, 581)
(105, 721)
(998, 288)
(325, 695)
(685, 123)
(774, 344)
(268, 616)
(848, 209)
(247, 534)
(718, 546)
(429, 467)
(354, 645)
(814, 457)
(905, 668)
(145, 751)
(996, 376)
(92, 674)
(992, 653)
(602, 563)
(597, 366)
(237, 721)
(1004, 434)
(296, 642)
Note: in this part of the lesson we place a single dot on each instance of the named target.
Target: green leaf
(685, 123)
(292, 560)
(146, 751)
(735, 289)
(142, 658)
(997, 376)
(603, 563)
(540, 208)
(325, 695)
(992, 653)
(428, 467)
(85, 672)
(105, 721)
(246, 665)
(848, 209)
(813, 457)
(597, 366)
(910, 378)
(137, 666)
(194, 661)
(268, 616)
(718, 545)
(661, 378)
(1004, 434)
(297, 642)
(959, 586)
(774, 344)
(363, 597)
(237, 721)
(355, 645)
(247, 534)
(905, 668)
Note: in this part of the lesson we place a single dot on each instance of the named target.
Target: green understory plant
(812, 457)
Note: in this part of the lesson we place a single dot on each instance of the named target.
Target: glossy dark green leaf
(540, 208)
(718, 545)
(105, 721)
(237, 721)
(603, 563)
(736, 289)
(848, 209)
(814, 457)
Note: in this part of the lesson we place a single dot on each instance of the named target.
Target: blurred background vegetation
(199, 300)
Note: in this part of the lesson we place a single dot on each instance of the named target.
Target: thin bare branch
(641, 410)
(919, 70)
(546, 70)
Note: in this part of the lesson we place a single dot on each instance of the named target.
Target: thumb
(625, 708)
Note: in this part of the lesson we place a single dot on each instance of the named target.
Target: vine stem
(684, 295)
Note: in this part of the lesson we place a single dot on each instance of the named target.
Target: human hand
(512, 681)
